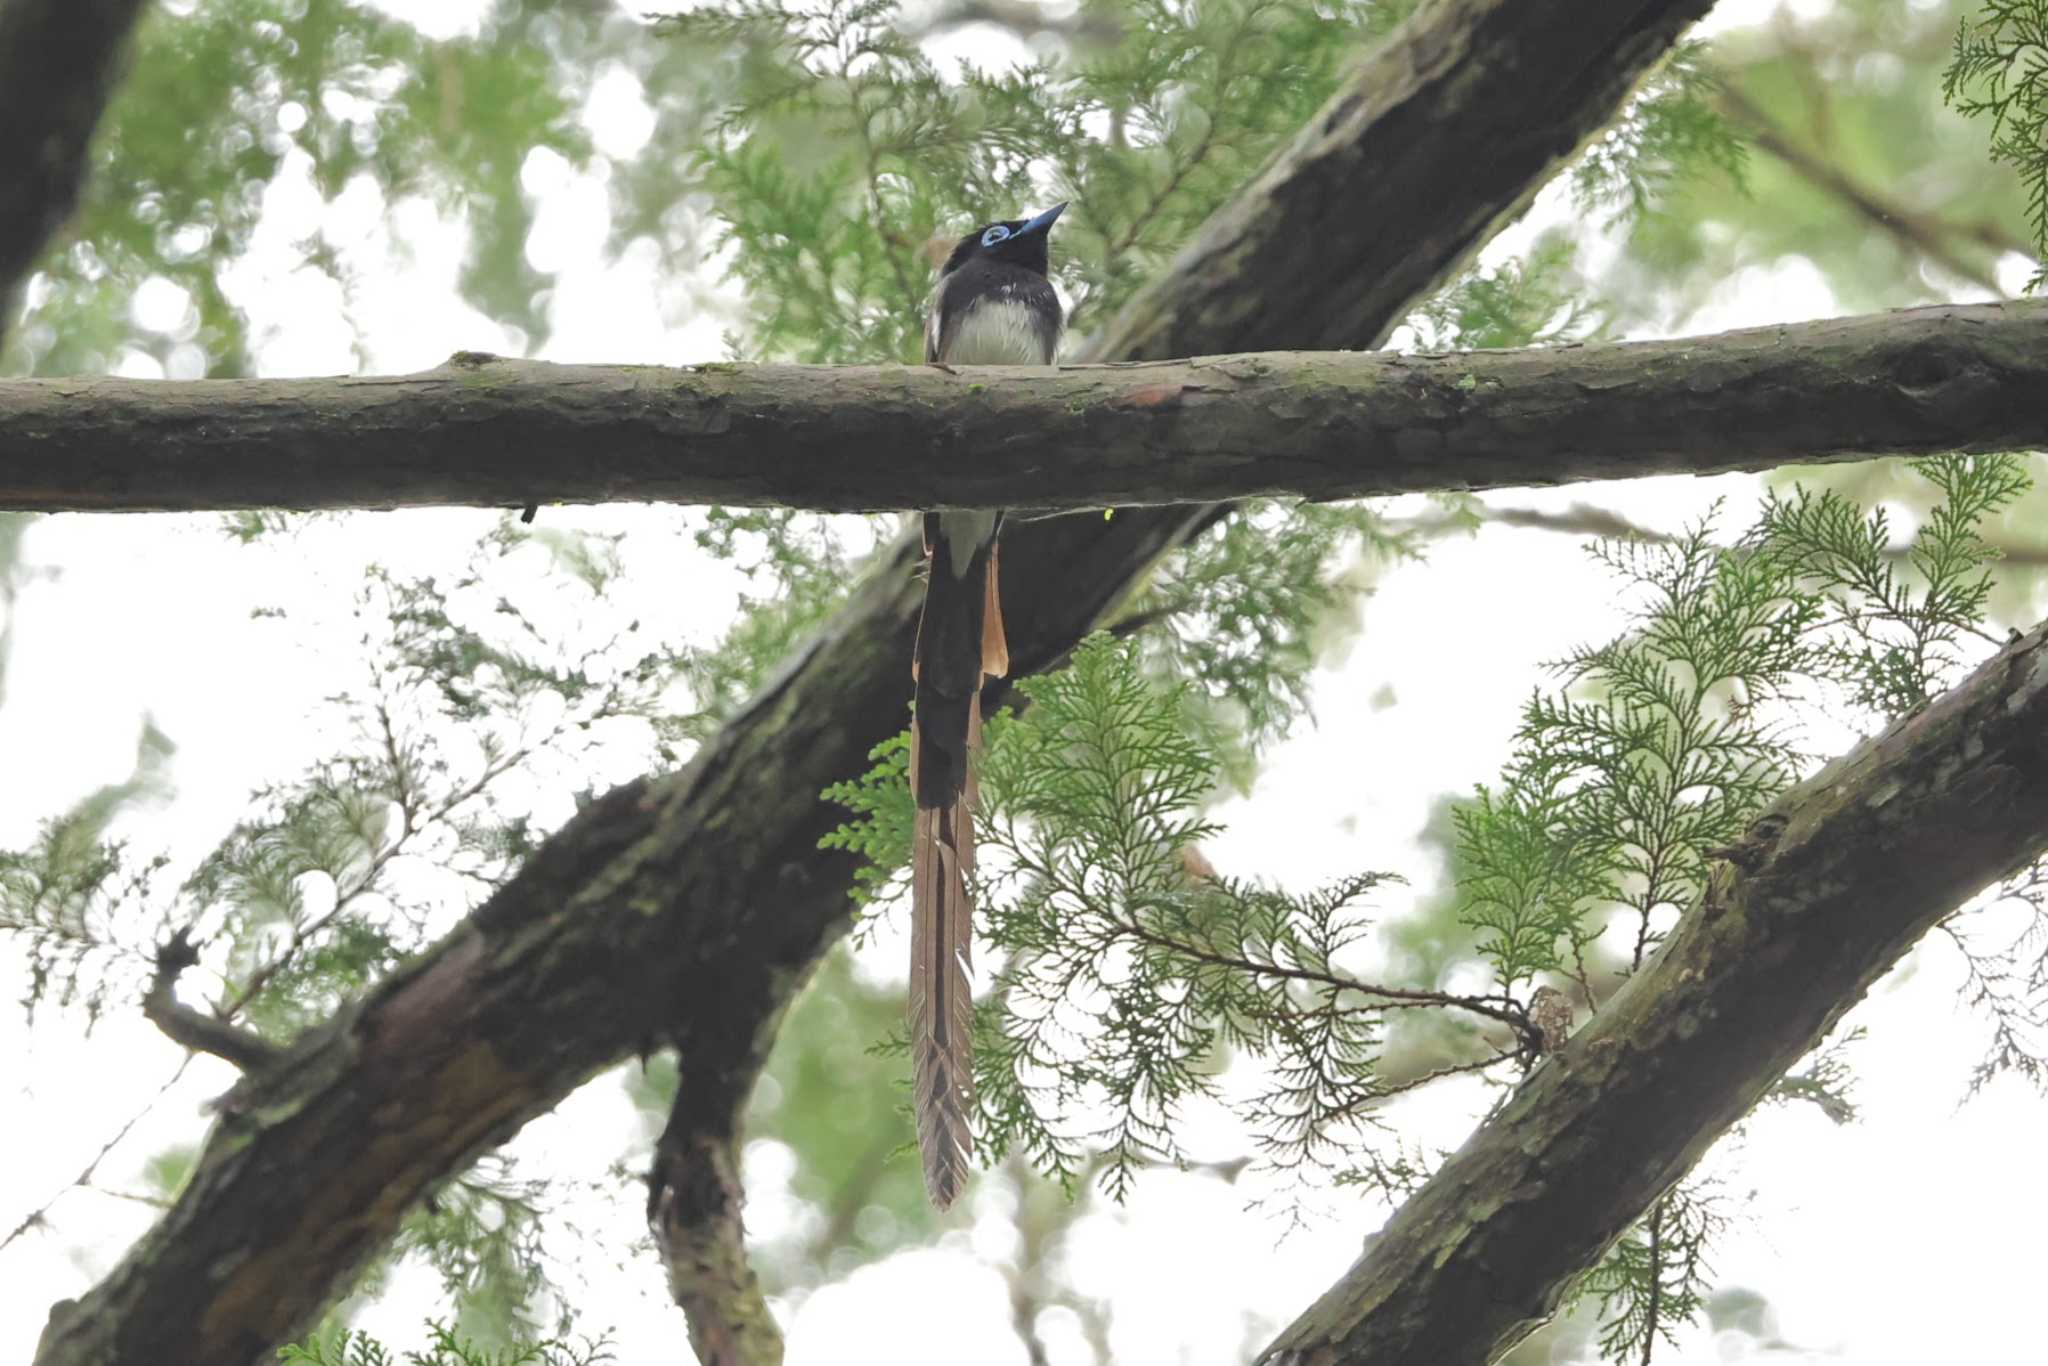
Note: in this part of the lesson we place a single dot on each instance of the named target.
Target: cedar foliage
(819, 150)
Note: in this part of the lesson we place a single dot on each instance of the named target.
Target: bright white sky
(1902, 1239)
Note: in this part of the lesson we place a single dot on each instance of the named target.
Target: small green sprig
(445, 1347)
(1999, 71)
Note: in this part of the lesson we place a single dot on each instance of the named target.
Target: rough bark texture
(1400, 177)
(689, 908)
(1319, 424)
(682, 909)
(1829, 888)
(695, 1215)
(58, 63)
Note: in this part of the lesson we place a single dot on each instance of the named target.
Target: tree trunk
(58, 63)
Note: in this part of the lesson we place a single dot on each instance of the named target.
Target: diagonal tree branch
(1914, 230)
(1830, 887)
(58, 64)
(689, 908)
(1321, 425)
(1362, 216)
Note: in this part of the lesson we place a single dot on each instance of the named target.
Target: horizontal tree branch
(691, 907)
(494, 432)
(1829, 888)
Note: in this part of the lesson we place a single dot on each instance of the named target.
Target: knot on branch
(1749, 852)
(1550, 1012)
(1926, 368)
(195, 1029)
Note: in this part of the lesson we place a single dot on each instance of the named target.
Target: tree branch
(690, 908)
(855, 438)
(1516, 90)
(1914, 231)
(1598, 523)
(1831, 886)
(195, 1029)
(693, 1207)
(58, 63)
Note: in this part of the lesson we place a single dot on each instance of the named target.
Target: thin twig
(1915, 230)
(37, 1216)
(1510, 1015)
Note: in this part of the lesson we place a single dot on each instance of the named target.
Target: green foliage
(468, 704)
(1855, 174)
(446, 1348)
(839, 1101)
(1094, 797)
(1827, 1081)
(1902, 625)
(223, 98)
(74, 897)
(2004, 947)
(1247, 608)
(1662, 745)
(1670, 134)
(1525, 302)
(211, 83)
(1999, 71)
(1129, 978)
(809, 563)
(466, 697)
(1618, 798)
(1133, 973)
(880, 834)
(845, 150)
(1656, 1277)
(484, 1235)
(167, 1170)
(1237, 618)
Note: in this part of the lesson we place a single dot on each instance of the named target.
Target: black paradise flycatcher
(992, 306)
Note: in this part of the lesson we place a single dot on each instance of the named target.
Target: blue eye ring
(997, 232)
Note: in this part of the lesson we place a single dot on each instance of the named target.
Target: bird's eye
(995, 234)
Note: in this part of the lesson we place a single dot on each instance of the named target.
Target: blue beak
(1042, 222)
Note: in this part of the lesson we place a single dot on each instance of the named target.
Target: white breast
(995, 331)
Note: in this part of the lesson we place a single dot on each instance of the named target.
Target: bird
(992, 305)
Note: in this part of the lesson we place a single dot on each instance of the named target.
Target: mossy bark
(686, 909)
(1830, 886)
(1320, 425)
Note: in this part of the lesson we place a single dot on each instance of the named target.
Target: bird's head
(1017, 241)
